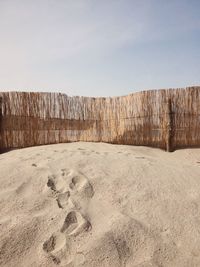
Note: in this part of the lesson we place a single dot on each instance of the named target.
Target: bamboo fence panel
(167, 119)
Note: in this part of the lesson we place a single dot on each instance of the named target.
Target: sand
(94, 204)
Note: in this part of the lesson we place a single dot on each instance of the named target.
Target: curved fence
(168, 119)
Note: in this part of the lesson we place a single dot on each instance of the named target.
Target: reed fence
(168, 119)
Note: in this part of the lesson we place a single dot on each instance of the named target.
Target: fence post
(1, 141)
(169, 127)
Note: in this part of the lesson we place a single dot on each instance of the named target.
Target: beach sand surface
(99, 205)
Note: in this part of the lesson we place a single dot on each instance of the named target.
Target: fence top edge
(145, 91)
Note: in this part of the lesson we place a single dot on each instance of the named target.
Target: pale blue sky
(99, 47)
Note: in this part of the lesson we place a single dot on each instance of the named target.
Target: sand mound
(98, 205)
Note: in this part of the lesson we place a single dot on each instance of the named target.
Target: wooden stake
(169, 126)
(1, 139)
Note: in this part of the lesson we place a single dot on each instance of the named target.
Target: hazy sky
(99, 47)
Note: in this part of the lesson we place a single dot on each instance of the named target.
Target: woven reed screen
(167, 119)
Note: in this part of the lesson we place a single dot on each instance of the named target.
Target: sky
(99, 47)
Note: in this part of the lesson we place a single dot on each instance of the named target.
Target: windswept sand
(99, 205)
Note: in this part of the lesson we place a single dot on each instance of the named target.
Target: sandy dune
(99, 205)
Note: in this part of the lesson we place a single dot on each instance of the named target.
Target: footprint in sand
(77, 192)
(59, 246)
(51, 183)
(63, 200)
(57, 183)
(59, 188)
(80, 184)
(75, 224)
